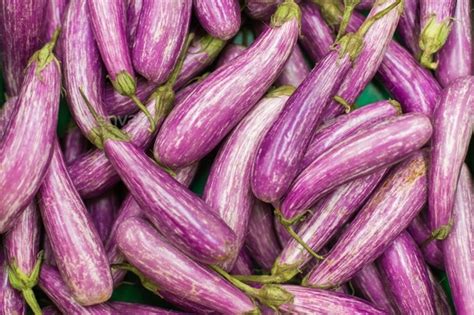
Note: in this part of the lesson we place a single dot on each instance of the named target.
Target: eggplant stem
(442, 232)
(300, 241)
(347, 107)
(331, 12)
(253, 292)
(263, 279)
(179, 65)
(143, 108)
(147, 284)
(349, 7)
(371, 20)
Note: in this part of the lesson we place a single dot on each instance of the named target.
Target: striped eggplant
(229, 53)
(134, 9)
(455, 59)
(26, 146)
(432, 250)
(173, 271)
(20, 30)
(365, 4)
(369, 283)
(51, 282)
(261, 9)
(11, 302)
(51, 310)
(78, 251)
(316, 36)
(457, 248)
(22, 251)
(409, 26)
(336, 130)
(295, 70)
(442, 305)
(261, 241)
(102, 211)
(406, 276)
(82, 69)
(376, 41)
(220, 18)
(452, 132)
(226, 95)
(378, 146)
(435, 24)
(74, 144)
(54, 15)
(227, 189)
(243, 264)
(6, 112)
(387, 213)
(160, 36)
(140, 309)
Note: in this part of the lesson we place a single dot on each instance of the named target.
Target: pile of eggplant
(216, 156)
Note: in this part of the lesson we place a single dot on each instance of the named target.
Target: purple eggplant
(6, 112)
(134, 9)
(227, 190)
(409, 26)
(243, 264)
(365, 4)
(226, 95)
(230, 52)
(435, 24)
(431, 250)
(26, 146)
(220, 18)
(53, 20)
(368, 282)
(51, 310)
(11, 302)
(22, 251)
(174, 272)
(387, 213)
(20, 29)
(52, 284)
(406, 276)
(262, 242)
(83, 73)
(78, 251)
(456, 57)
(452, 132)
(441, 300)
(74, 144)
(102, 211)
(159, 38)
(295, 70)
(457, 248)
(139, 309)
(261, 9)
(336, 130)
(378, 146)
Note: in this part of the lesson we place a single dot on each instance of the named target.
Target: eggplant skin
(432, 251)
(406, 276)
(457, 248)
(452, 132)
(6, 113)
(11, 301)
(386, 214)
(77, 248)
(174, 272)
(140, 309)
(296, 69)
(220, 18)
(25, 148)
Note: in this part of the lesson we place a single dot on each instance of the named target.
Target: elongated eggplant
(442, 305)
(456, 57)
(262, 242)
(159, 38)
(227, 190)
(54, 14)
(22, 251)
(380, 145)
(172, 271)
(74, 144)
(134, 9)
(20, 28)
(387, 213)
(243, 264)
(229, 53)
(336, 130)
(11, 301)
(261, 9)
(431, 250)
(102, 211)
(457, 247)
(220, 18)
(295, 70)
(6, 112)
(215, 100)
(435, 24)
(78, 251)
(406, 276)
(409, 26)
(452, 132)
(140, 309)
(26, 146)
(369, 282)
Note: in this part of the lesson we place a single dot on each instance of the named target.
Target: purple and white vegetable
(102, 211)
(295, 70)
(74, 144)
(431, 250)
(6, 112)
(220, 18)
(230, 52)
(140, 309)
(11, 301)
(409, 26)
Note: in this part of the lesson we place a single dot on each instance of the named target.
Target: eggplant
(140, 309)
(51, 310)
(409, 26)
(455, 58)
(6, 112)
(134, 10)
(386, 214)
(336, 130)
(457, 248)
(54, 15)
(406, 276)
(20, 30)
(365, 4)
(11, 301)
(78, 251)
(26, 146)
(378, 146)
(369, 283)
(159, 38)
(261, 241)
(223, 98)
(102, 211)
(261, 9)
(220, 18)
(172, 271)
(442, 305)
(295, 70)
(74, 144)
(452, 132)
(227, 190)
(432, 250)
(243, 264)
(22, 252)
(230, 52)
(435, 24)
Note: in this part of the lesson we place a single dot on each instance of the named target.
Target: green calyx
(349, 7)
(212, 46)
(147, 284)
(331, 12)
(397, 106)
(163, 97)
(432, 38)
(25, 283)
(284, 90)
(45, 55)
(347, 107)
(124, 83)
(442, 232)
(285, 12)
